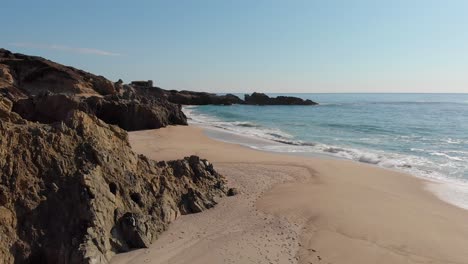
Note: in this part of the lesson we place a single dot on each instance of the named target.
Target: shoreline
(451, 191)
(343, 211)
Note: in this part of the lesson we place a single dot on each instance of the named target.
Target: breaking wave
(442, 159)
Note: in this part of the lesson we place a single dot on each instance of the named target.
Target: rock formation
(263, 99)
(22, 76)
(45, 91)
(189, 97)
(31, 75)
(201, 98)
(74, 192)
(135, 114)
(71, 189)
(129, 114)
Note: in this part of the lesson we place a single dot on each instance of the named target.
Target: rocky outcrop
(46, 91)
(201, 98)
(188, 97)
(129, 114)
(22, 75)
(46, 108)
(74, 192)
(263, 99)
(135, 114)
(6, 114)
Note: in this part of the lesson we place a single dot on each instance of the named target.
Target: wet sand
(294, 209)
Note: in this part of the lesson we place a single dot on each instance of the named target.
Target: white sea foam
(242, 127)
(448, 189)
(446, 156)
(455, 193)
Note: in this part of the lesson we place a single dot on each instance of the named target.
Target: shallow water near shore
(422, 134)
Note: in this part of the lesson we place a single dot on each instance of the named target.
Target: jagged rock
(46, 91)
(135, 114)
(263, 99)
(34, 75)
(133, 231)
(46, 108)
(7, 83)
(74, 192)
(22, 76)
(129, 114)
(5, 111)
(6, 79)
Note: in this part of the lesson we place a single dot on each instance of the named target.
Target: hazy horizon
(265, 46)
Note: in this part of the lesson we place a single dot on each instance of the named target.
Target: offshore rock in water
(189, 97)
(74, 192)
(263, 99)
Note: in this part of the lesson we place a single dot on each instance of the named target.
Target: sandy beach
(294, 209)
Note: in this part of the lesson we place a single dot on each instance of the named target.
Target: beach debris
(232, 192)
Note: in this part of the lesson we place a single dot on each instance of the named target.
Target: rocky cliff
(73, 191)
(22, 75)
(32, 81)
(128, 113)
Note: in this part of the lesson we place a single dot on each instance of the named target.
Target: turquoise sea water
(423, 134)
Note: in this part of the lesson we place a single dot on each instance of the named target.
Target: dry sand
(302, 210)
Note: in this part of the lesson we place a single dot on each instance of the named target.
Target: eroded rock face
(35, 75)
(129, 114)
(22, 76)
(46, 91)
(135, 114)
(74, 192)
(263, 99)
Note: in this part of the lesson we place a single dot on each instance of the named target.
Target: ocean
(425, 135)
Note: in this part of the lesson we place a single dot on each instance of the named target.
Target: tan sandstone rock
(74, 192)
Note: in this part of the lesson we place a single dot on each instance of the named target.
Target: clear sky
(252, 45)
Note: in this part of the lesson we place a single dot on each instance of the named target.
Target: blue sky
(245, 46)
